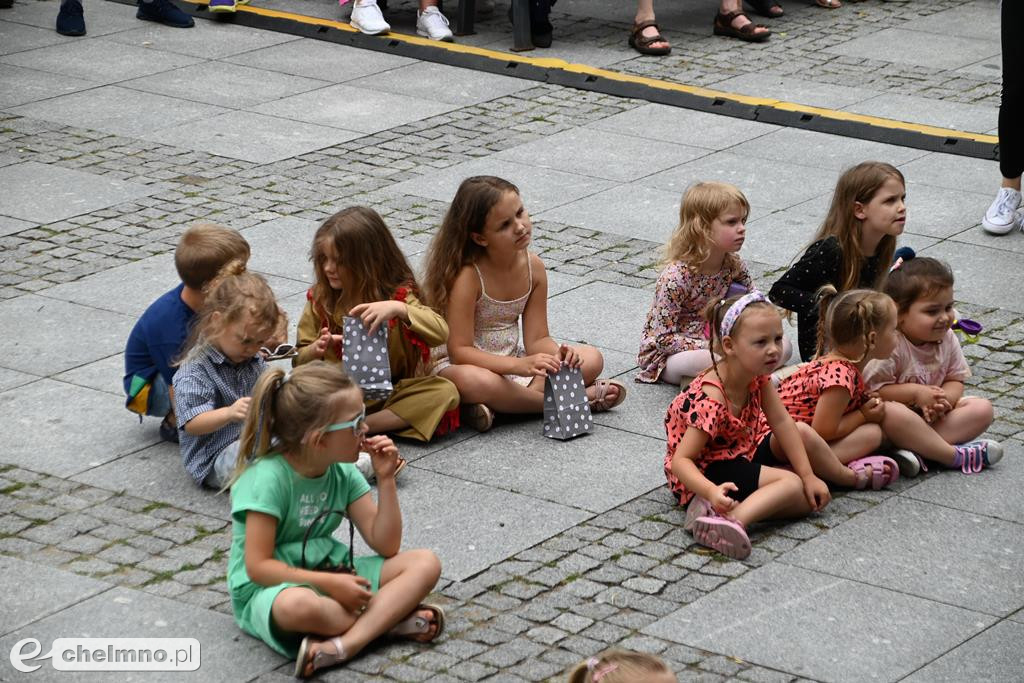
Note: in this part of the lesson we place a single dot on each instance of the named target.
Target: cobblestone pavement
(599, 582)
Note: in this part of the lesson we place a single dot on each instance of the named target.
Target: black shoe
(541, 29)
(164, 12)
(6, 4)
(168, 431)
(71, 19)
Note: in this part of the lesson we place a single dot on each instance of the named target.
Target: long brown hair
(702, 203)
(453, 246)
(857, 185)
(286, 407)
(233, 294)
(851, 316)
(368, 250)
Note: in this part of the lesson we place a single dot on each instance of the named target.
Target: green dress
(271, 486)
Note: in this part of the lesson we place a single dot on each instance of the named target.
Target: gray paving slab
(124, 613)
(955, 173)
(779, 617)
(470, 526)
(983, 68)
(519, 459)
(830, 152)
(990, 495)
(955, 115)
(683, 126)
(630, 210)
(61, 335)
(21, 86)
(560, 282)
(795, 89)
(992, 655)
(599, 313)
(251, 137)
(906, 545)
(917, 47)
(105, 375)
(978, 20)
(207, 39)
(943, 212)
(766, 183)
(541, 188)
(281, 247)
(101, 17)
(354, 109)
(1011, 243)
(616, 363)
(19, 37)
(44, 437)
(127, 289)
(33, 592)
(778, 237)
(223, 84)
(987, 284)
(643, 412)
(1018, 616)
(600, 154)
(12, 378)
(319, 59)
(156, 473)
(43, 193)
(118, 110)
(99, 59)
(10, 226)
(451, 84)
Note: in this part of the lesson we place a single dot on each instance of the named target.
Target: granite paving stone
(992, 655)
(320, 60)
(34, 592)
(99, 60)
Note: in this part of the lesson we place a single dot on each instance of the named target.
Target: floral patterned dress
(675, 322)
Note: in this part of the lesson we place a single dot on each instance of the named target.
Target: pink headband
(733, 314)
(597, 674)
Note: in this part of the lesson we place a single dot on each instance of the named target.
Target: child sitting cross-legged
(927, 369)
(289, 495)
(713, 461)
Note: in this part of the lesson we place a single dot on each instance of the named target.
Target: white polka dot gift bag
(365, 358)
(566, 410)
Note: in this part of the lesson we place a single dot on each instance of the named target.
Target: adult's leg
(1011, 108)
(645, 12)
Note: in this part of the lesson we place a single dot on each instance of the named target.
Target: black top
(796, 290)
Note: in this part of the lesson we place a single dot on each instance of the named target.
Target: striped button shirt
(209, 382)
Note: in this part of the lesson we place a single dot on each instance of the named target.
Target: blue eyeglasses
(356, 424)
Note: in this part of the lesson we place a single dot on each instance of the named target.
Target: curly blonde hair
(702, 203)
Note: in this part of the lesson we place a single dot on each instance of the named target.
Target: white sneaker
(1001, 215)
(365, 466)
(909, 463)
(367, 18)
(434, 25)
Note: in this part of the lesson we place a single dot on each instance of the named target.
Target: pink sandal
(698, 507)
(724, 534)
(879, 478)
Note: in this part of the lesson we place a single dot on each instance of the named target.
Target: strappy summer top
(496, 324)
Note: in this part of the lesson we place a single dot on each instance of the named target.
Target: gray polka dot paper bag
(566, 410)
(365, 358)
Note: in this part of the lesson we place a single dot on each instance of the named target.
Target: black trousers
(1011, 109)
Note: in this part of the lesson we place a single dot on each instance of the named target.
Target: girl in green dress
(302, 434)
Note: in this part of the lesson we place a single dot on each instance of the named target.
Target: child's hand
(378, 313)
(383, 455)
(569, 356)
(873, 410)
(239, 409)
(348, 590)
(325, 341)
(816, 492)
(539, 364)
(720, 499)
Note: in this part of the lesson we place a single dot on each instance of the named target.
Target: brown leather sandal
(642, 44)
(723, 27)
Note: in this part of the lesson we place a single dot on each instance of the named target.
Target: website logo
(108, 654)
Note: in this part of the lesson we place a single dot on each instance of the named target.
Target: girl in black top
(853, 247)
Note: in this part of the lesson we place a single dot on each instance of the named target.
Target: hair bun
(905, 253)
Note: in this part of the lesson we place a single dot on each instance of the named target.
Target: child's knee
(792, 484)
(423, 562)
(593, 361)
(873, 434)
(297, 605)
(980, 410)
(810, 438)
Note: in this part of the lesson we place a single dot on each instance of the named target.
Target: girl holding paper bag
(360, 272)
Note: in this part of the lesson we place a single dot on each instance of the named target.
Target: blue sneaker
(71, 19)
(163, 12)
(973, 457)
(222, 5)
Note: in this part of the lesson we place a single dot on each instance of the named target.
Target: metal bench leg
(464, 17)
(521, 39)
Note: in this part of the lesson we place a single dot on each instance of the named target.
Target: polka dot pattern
(365, 358)
(566, 409)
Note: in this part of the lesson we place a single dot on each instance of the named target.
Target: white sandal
(415, 625)
(321, 659)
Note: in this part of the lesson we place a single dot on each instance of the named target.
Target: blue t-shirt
(157, 337)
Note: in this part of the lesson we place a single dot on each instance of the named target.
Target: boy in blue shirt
(157, 339)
